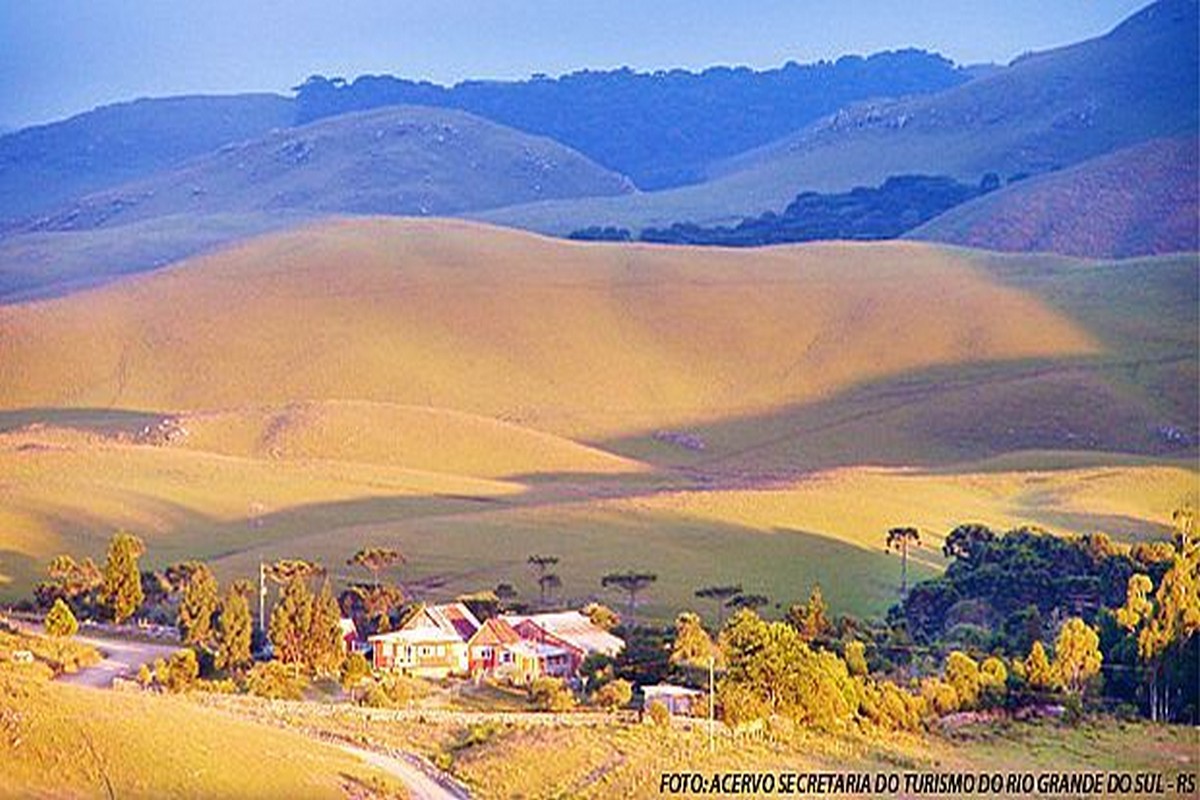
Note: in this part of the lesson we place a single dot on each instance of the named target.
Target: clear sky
(59, 57)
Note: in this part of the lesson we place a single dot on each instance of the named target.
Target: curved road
(123, 658)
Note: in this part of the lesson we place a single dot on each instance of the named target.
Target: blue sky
(66, 56)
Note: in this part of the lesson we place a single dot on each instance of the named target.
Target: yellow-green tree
(1165, 625)
(235, 628)
(811, 619)
(60, 622)
(198, 605)
(692, 646)
(1077, 656)
(291, 620)
(962, 672)
(122, 589)
(1038, 670)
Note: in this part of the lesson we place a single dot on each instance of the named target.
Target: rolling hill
(471, 395)
(1137, 201)
(402, 160)
(47, 165)
(1044, 112)
(573, 339)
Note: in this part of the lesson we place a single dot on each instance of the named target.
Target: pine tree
(122, 590)
(811, 619)
(198, 605)
(323, 644)
(60, 621)
(291, 620)
(235, 628)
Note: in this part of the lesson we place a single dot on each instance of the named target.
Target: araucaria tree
(546, 580)
(721, 595)
(631, 583)
(201, 597)
(376, 559)
(901, 539)
(122, 589)
(235, 628)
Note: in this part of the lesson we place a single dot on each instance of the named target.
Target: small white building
(679, 700)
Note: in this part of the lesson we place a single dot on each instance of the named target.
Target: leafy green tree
(74, 578)
(1038, 671)
(993, 681)
(692, 646)
(962, 672)
(323, 644)
(198, 605)
(235, 628)
(811, 619)
(60, 622)
(122, 588)
(291, 621)
(1077, 656)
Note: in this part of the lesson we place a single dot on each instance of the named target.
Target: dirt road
(421, 786)
(122, 658)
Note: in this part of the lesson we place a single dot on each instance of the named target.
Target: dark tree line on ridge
(663, 128)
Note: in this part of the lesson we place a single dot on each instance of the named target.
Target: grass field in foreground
(617, 759)
(66, 741)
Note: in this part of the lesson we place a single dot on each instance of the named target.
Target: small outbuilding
(679, 700)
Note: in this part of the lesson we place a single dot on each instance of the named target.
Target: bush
(551, 694)
(659, 714)
(179, 672)
(275, 681)
(60, 622)
(614, 694)
(354, 669)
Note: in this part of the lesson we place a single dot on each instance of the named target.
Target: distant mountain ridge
(1046, 112)
(403, 160)
(47, 165)
(660, 128)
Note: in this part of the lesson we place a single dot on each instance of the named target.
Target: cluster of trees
(81, 587)
(897, 206)
(661, 129)
(1006, 593)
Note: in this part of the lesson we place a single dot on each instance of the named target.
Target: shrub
(60, 622)
(551, 694)
(179, 672)
(614, 694)
(354, 669)
(275, 681)
(659, 714)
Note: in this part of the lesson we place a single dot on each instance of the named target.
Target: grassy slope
(580, 340)
(60, 741)
(1136, 201)
(1047, 111)
(783, 361)
(395, 160)
(378, 433)
(43, 166)
(618, 759)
